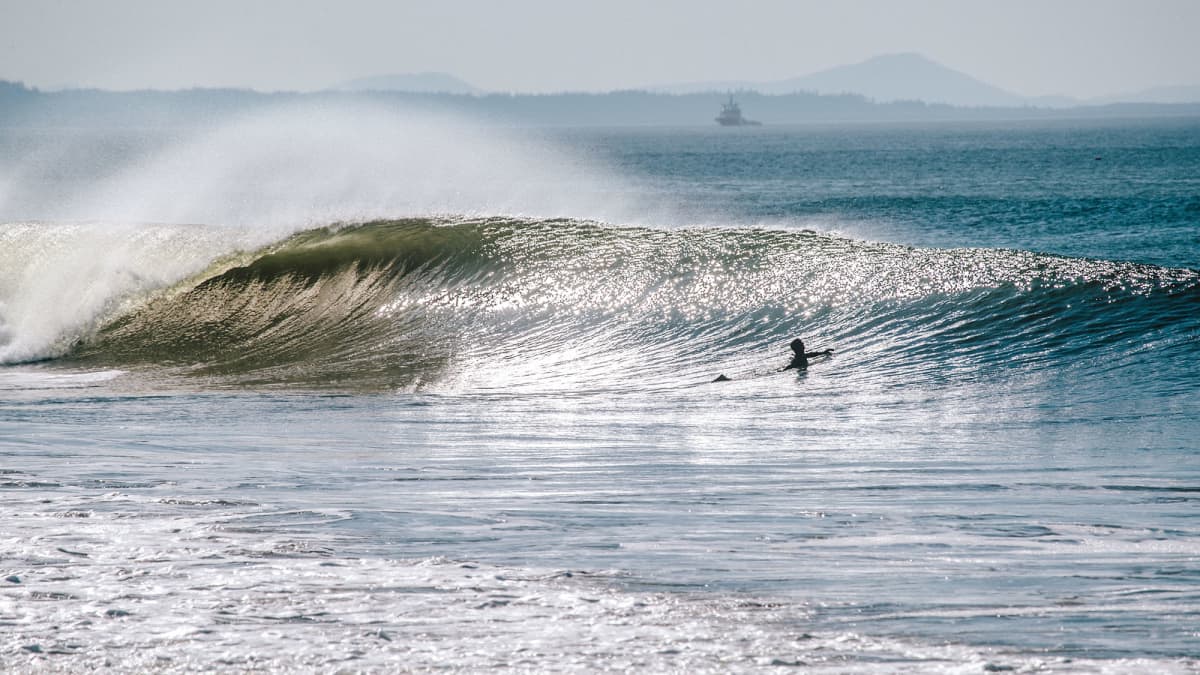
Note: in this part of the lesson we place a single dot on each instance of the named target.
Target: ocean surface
(344, 391)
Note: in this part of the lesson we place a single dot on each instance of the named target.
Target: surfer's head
(798, 346)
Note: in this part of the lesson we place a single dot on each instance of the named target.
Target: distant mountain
(418, 83)
(892, 77)
(903, 77)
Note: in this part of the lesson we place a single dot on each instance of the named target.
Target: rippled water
(996, 469)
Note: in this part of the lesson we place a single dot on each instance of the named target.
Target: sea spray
(294, 167)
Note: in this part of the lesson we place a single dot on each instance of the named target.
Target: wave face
(562, 305)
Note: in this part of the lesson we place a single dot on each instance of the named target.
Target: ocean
(346, 391)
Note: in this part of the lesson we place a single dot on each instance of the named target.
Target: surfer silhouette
(800, 357)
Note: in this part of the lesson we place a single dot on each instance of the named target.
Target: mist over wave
(297, 166)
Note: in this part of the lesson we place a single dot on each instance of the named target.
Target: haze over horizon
(1078, 48)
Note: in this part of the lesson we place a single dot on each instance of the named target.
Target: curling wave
(503, 303)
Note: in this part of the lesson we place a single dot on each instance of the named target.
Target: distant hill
(913, 77)
(892, 77)
(903, 77)
(417, 83)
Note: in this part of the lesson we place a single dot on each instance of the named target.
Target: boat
(731, 116)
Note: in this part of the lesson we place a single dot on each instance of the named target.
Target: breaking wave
(565, 305)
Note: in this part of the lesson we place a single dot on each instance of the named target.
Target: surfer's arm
(796, 364)
(822, 353)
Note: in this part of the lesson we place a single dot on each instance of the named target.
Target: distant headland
(894, 86)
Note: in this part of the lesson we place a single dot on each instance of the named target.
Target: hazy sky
(1031, 47)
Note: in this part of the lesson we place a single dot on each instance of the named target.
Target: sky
(1082, 48)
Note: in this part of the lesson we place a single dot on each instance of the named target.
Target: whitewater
(342, 389)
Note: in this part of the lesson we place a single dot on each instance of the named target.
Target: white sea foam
(125, 583)
(30, 379)
(180, 532)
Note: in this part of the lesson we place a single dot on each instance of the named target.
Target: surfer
(800, 357)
